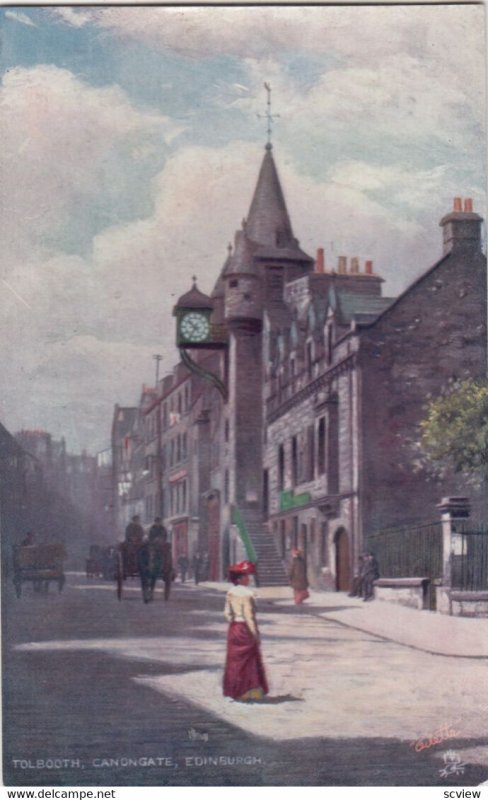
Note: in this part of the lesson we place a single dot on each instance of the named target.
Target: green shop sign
(289, 500)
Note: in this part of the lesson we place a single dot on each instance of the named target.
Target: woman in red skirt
(244, 677)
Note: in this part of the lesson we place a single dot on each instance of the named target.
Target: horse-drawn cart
(39, 564)
(148, 561)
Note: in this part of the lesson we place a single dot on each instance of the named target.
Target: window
(333, 450)
(310, 459)
(321, 447)
(330, 343)
(281, 467)
(324, 548)
(226, 430)
(294, 461)
(275, 280)
(309, 361)
(226, 486)
(233, 283)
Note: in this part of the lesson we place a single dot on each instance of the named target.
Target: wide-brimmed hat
(243, 568)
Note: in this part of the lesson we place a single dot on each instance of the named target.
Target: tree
(454, 433)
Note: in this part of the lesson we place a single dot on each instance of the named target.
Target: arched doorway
(342, 562)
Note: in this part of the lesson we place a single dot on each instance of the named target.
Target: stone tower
(266, 256)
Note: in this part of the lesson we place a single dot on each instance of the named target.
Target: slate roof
(361, 307)
(268, 223)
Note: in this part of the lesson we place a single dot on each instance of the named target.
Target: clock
(194, 327)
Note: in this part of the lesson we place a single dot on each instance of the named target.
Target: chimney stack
(368, 268)
(342, 265)
(354, 265)
(461, 227)
(320, 261)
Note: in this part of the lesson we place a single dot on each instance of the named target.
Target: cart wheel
(61, 582)
(119, 576)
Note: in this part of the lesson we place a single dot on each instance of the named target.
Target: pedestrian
(358, 580)
(197, 567)
(146, 570)
(205, 567)
(298, 576)
(28, 540)
(134, 533)
(371, 574)
(183, 564)
(158, 531)
(244, 676)
(167, 571)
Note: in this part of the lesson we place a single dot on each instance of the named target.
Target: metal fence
(469, 565)
(408, 552)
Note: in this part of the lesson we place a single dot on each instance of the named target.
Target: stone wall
(433, 333)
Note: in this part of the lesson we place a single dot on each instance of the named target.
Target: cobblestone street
(101, 692)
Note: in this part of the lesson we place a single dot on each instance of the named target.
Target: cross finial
(194, 279)
(268, 115)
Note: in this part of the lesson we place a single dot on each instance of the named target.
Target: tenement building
(293, 415)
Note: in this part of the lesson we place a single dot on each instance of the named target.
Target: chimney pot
(342, 265)
(468, 205)
(320, 261)
(369, 267)
(355, 265)
(457, 204)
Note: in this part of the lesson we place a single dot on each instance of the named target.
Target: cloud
(77, 19)
(370, 150)
(64, 145)
(17, 16)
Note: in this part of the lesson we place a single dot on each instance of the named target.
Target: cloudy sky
(130, 150)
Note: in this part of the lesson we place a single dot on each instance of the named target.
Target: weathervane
(268, 115)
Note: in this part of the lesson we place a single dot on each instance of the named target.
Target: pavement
(429, 631)
(353, 686)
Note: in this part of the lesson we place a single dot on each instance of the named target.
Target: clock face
(194, 327)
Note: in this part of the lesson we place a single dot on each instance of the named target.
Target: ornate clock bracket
(203, 373)
(194, 330)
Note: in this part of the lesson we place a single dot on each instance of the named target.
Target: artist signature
(441, 734)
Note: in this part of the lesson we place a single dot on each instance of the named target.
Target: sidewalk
(423, 630)
(333, 660)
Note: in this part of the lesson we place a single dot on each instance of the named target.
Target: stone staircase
(270, 568)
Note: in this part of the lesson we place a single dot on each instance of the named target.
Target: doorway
(343, 569)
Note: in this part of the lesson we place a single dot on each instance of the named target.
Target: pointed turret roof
(268, 223)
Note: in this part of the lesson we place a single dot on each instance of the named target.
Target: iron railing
(469, 559)
(408, 552)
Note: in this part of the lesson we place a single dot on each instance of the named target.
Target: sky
(131, 143)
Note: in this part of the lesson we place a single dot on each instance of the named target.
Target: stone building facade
(326, 381)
